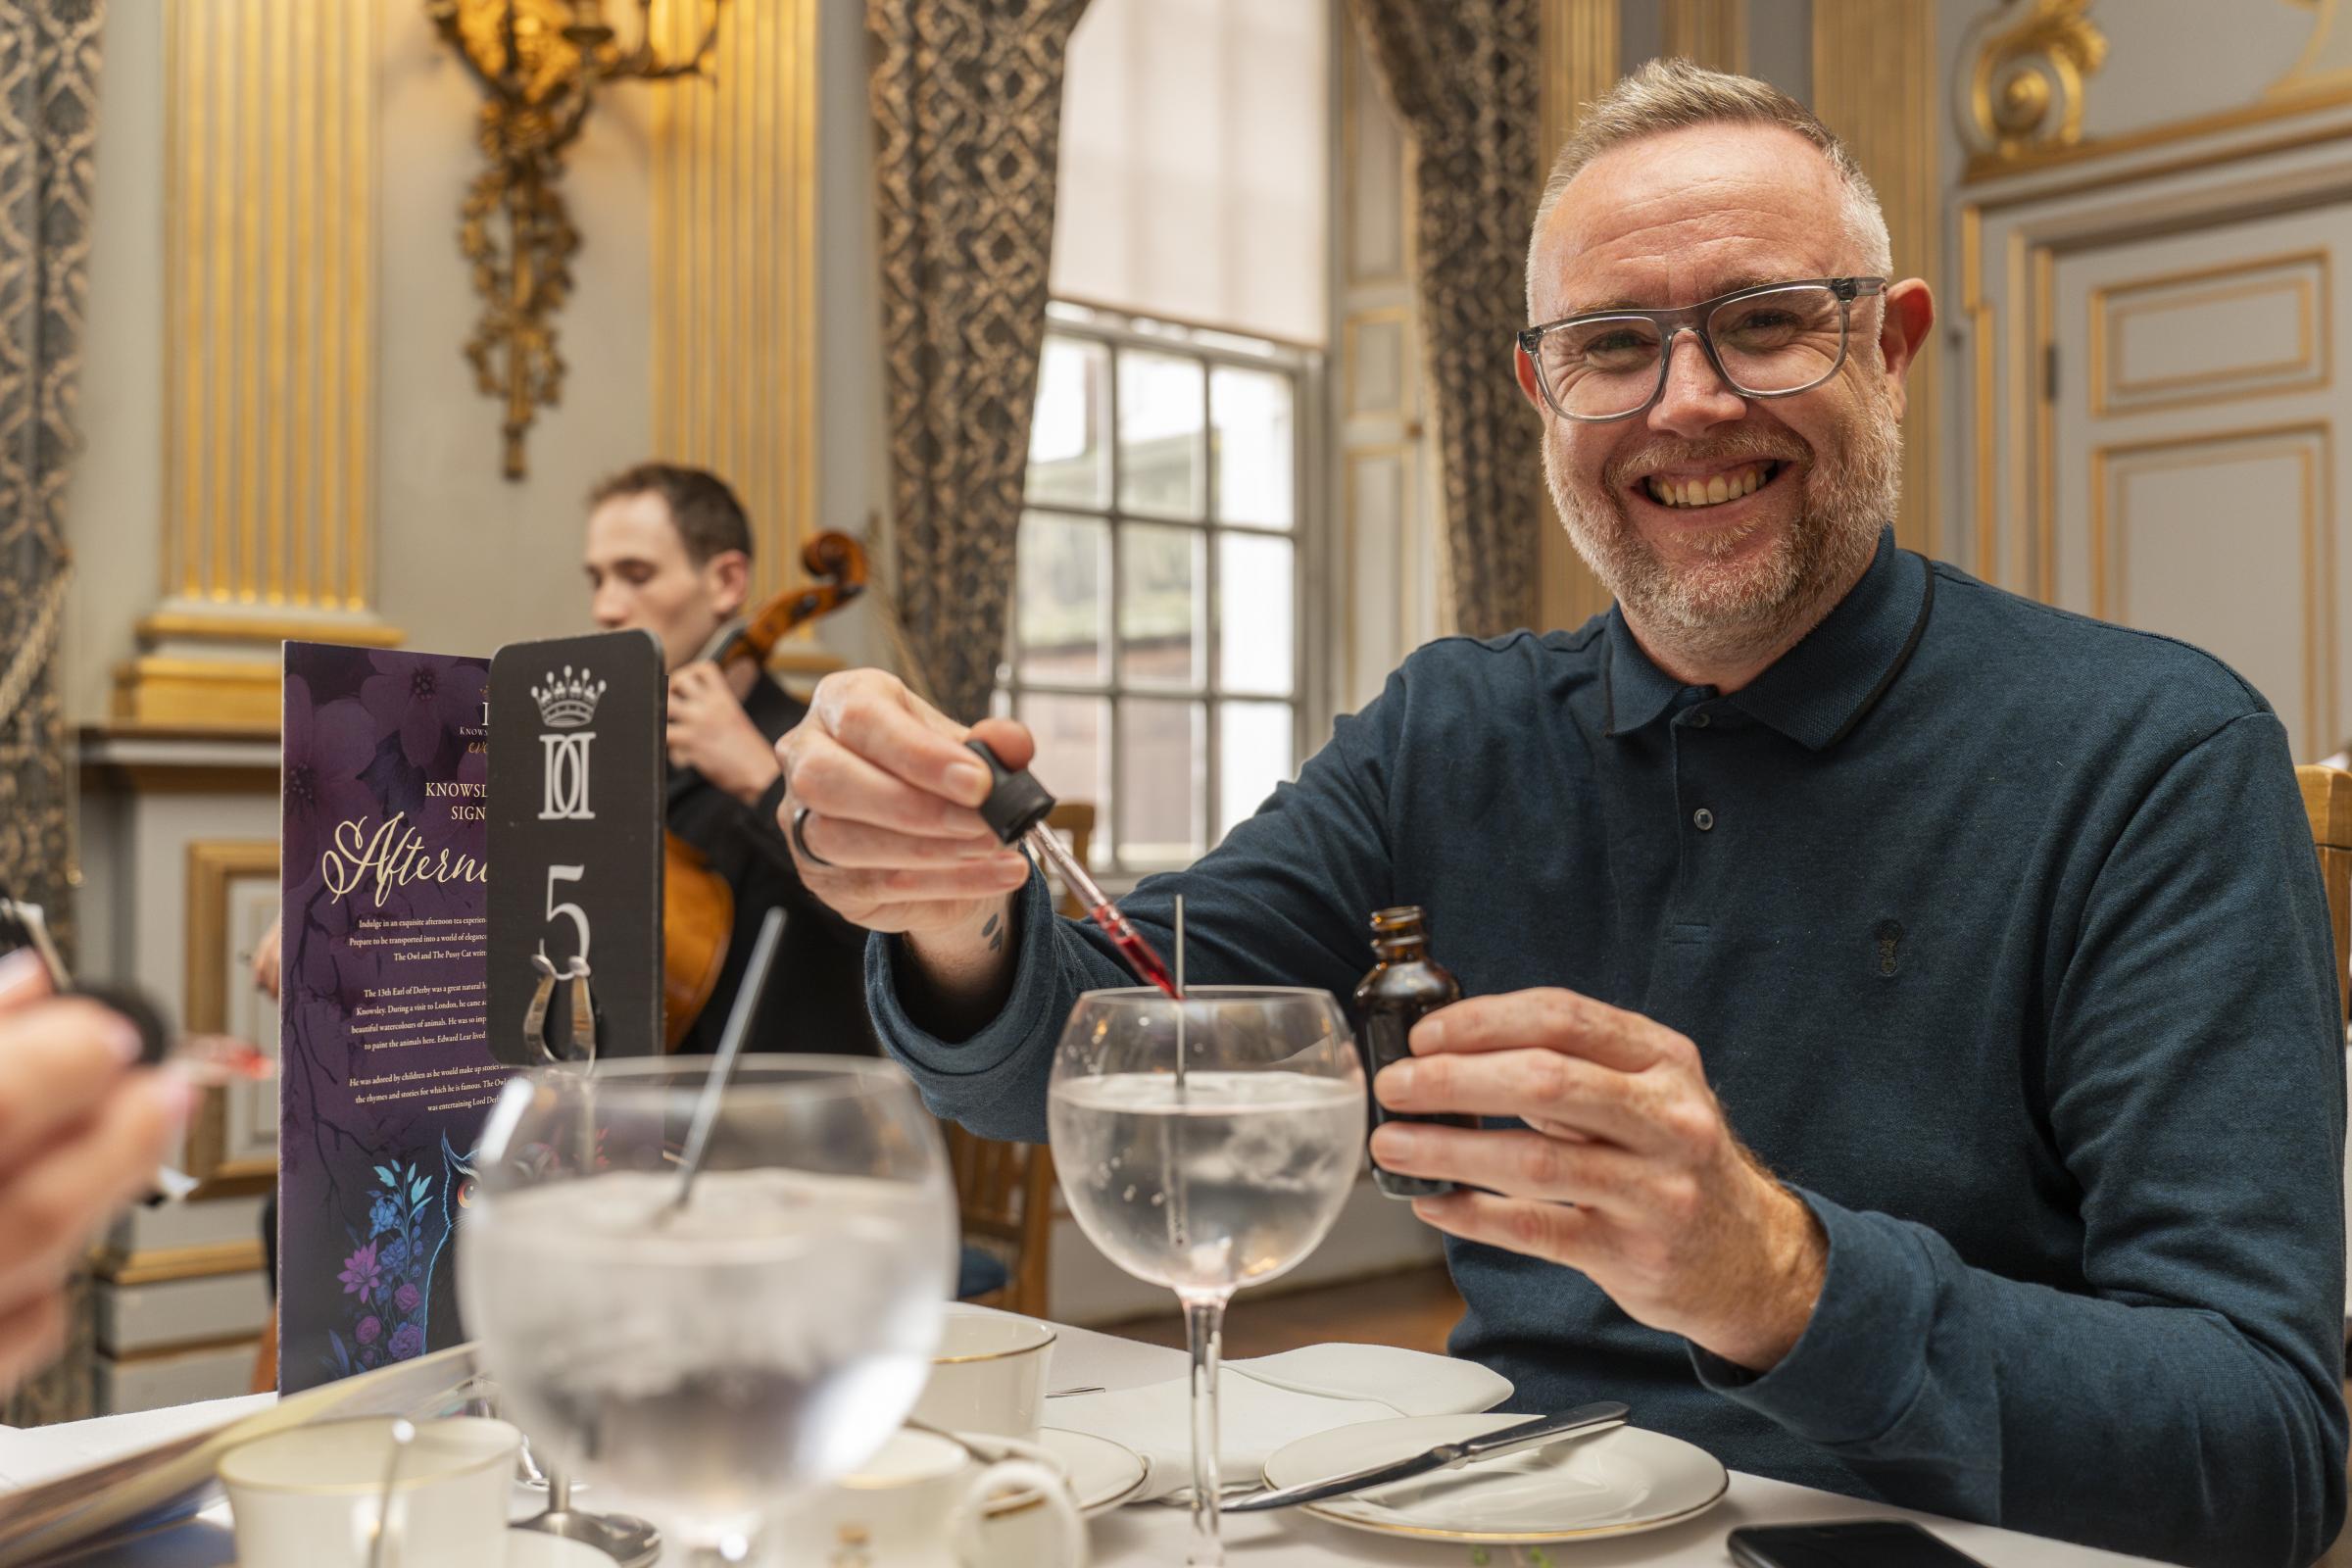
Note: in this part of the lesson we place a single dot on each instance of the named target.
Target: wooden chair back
(2328, 802)
(1005, 1194)
(1074, 820)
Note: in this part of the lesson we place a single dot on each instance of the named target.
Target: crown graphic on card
(570, 701)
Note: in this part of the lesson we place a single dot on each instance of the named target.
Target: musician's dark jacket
(816, 1001)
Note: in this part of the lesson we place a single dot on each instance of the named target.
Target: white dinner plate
(1612, 1483)
(1102, 1474)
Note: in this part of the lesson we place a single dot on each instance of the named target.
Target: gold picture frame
(229, 878)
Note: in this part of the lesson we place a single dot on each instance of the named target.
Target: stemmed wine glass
(1205, 1145)
(709, 1364)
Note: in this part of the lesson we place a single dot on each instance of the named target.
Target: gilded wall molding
(734, 266)
(1709, 33)
(270, 268)
(268, 374)
(1580, 45)
(1874, 83)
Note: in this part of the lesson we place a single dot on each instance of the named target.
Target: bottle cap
(1016, 802)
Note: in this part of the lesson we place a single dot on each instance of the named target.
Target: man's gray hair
(1675, 94)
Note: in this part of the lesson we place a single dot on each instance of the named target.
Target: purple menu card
(386, 1072)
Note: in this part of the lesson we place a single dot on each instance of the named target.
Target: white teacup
(310, 1498)
(925, 1503)
(988, 1375)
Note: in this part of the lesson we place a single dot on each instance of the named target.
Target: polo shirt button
(1702, 819)
(1699, 720)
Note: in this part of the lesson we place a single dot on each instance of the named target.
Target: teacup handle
(1069, 1530)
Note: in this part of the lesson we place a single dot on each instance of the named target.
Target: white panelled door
(2193, 466)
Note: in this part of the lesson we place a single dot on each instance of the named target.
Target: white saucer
(1102, 1474)
(1613, 1483)
(535, 1548)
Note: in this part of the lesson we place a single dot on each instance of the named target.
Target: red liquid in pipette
(1134, 948)
(1139, 954)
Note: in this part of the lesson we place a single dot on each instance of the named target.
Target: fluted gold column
(734, 308)
(1875, 85)
(1580, 64)
(1714, 32)
(269, 315)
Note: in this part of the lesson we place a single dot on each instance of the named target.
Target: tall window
(1157, 634)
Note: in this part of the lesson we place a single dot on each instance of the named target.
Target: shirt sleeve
(2191, 1407)
(1283, 901)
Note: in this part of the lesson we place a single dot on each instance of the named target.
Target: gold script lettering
(394, 855)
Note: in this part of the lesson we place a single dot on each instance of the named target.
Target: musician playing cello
(669, 550)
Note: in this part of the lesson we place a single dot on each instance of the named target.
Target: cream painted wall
(114, 504)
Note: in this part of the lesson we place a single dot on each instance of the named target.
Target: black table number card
(575, 843)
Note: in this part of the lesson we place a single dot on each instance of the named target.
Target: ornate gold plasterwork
(2327, 57)
(2023, 91)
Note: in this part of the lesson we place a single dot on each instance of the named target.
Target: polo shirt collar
(1818, 690)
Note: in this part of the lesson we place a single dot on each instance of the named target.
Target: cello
(698, 908)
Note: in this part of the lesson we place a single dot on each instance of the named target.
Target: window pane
(1255, 753)
(1061, 616)
(1160, 450)
(1161, 618)
(1067, 451)
(1252, 413)
(1073, 754)
(1256, 647)
(1161, 748)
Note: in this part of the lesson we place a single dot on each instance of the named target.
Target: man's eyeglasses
(1770, 341)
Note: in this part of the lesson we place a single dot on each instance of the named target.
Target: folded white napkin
(1272, 1400)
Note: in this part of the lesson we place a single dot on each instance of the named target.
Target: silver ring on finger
(800, 841)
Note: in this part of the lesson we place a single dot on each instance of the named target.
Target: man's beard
(1716, 606)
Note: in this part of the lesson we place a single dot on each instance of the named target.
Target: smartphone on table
(1853, 1543)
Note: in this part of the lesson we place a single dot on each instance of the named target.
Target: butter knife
(1528, 1434)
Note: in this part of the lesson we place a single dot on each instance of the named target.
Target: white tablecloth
(1148, 1534)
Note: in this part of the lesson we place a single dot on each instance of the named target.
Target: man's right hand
(892, 840)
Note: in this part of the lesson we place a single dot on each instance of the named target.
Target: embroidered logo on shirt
(1888, 938)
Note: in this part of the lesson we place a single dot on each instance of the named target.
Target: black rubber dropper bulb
(1016, 810)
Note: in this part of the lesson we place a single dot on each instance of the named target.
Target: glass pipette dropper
(1017, 808)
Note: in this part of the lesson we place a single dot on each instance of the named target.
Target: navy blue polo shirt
(2001, 935)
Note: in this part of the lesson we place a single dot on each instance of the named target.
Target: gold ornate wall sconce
(540, 65)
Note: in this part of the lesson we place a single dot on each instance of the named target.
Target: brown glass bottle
(1402, 989)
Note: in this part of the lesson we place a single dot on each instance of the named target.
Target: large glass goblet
(1205, 1145)
(709, 1365)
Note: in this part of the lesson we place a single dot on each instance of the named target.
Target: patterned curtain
(967, 109)
(1463, 76)
(48, 132)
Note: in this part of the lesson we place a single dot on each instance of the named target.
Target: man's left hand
(1625, 1171)
(709, 732)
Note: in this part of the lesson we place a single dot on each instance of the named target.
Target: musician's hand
(266, 957)
(892, 797)
(81, 1133)
(710, 733)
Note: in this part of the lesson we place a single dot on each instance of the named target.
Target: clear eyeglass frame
(1694, 319)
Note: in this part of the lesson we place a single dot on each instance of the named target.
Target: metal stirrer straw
(403, 1434)
(1180, 992)
(731, 1049)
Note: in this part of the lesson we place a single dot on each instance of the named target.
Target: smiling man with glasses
(1901, 1014)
